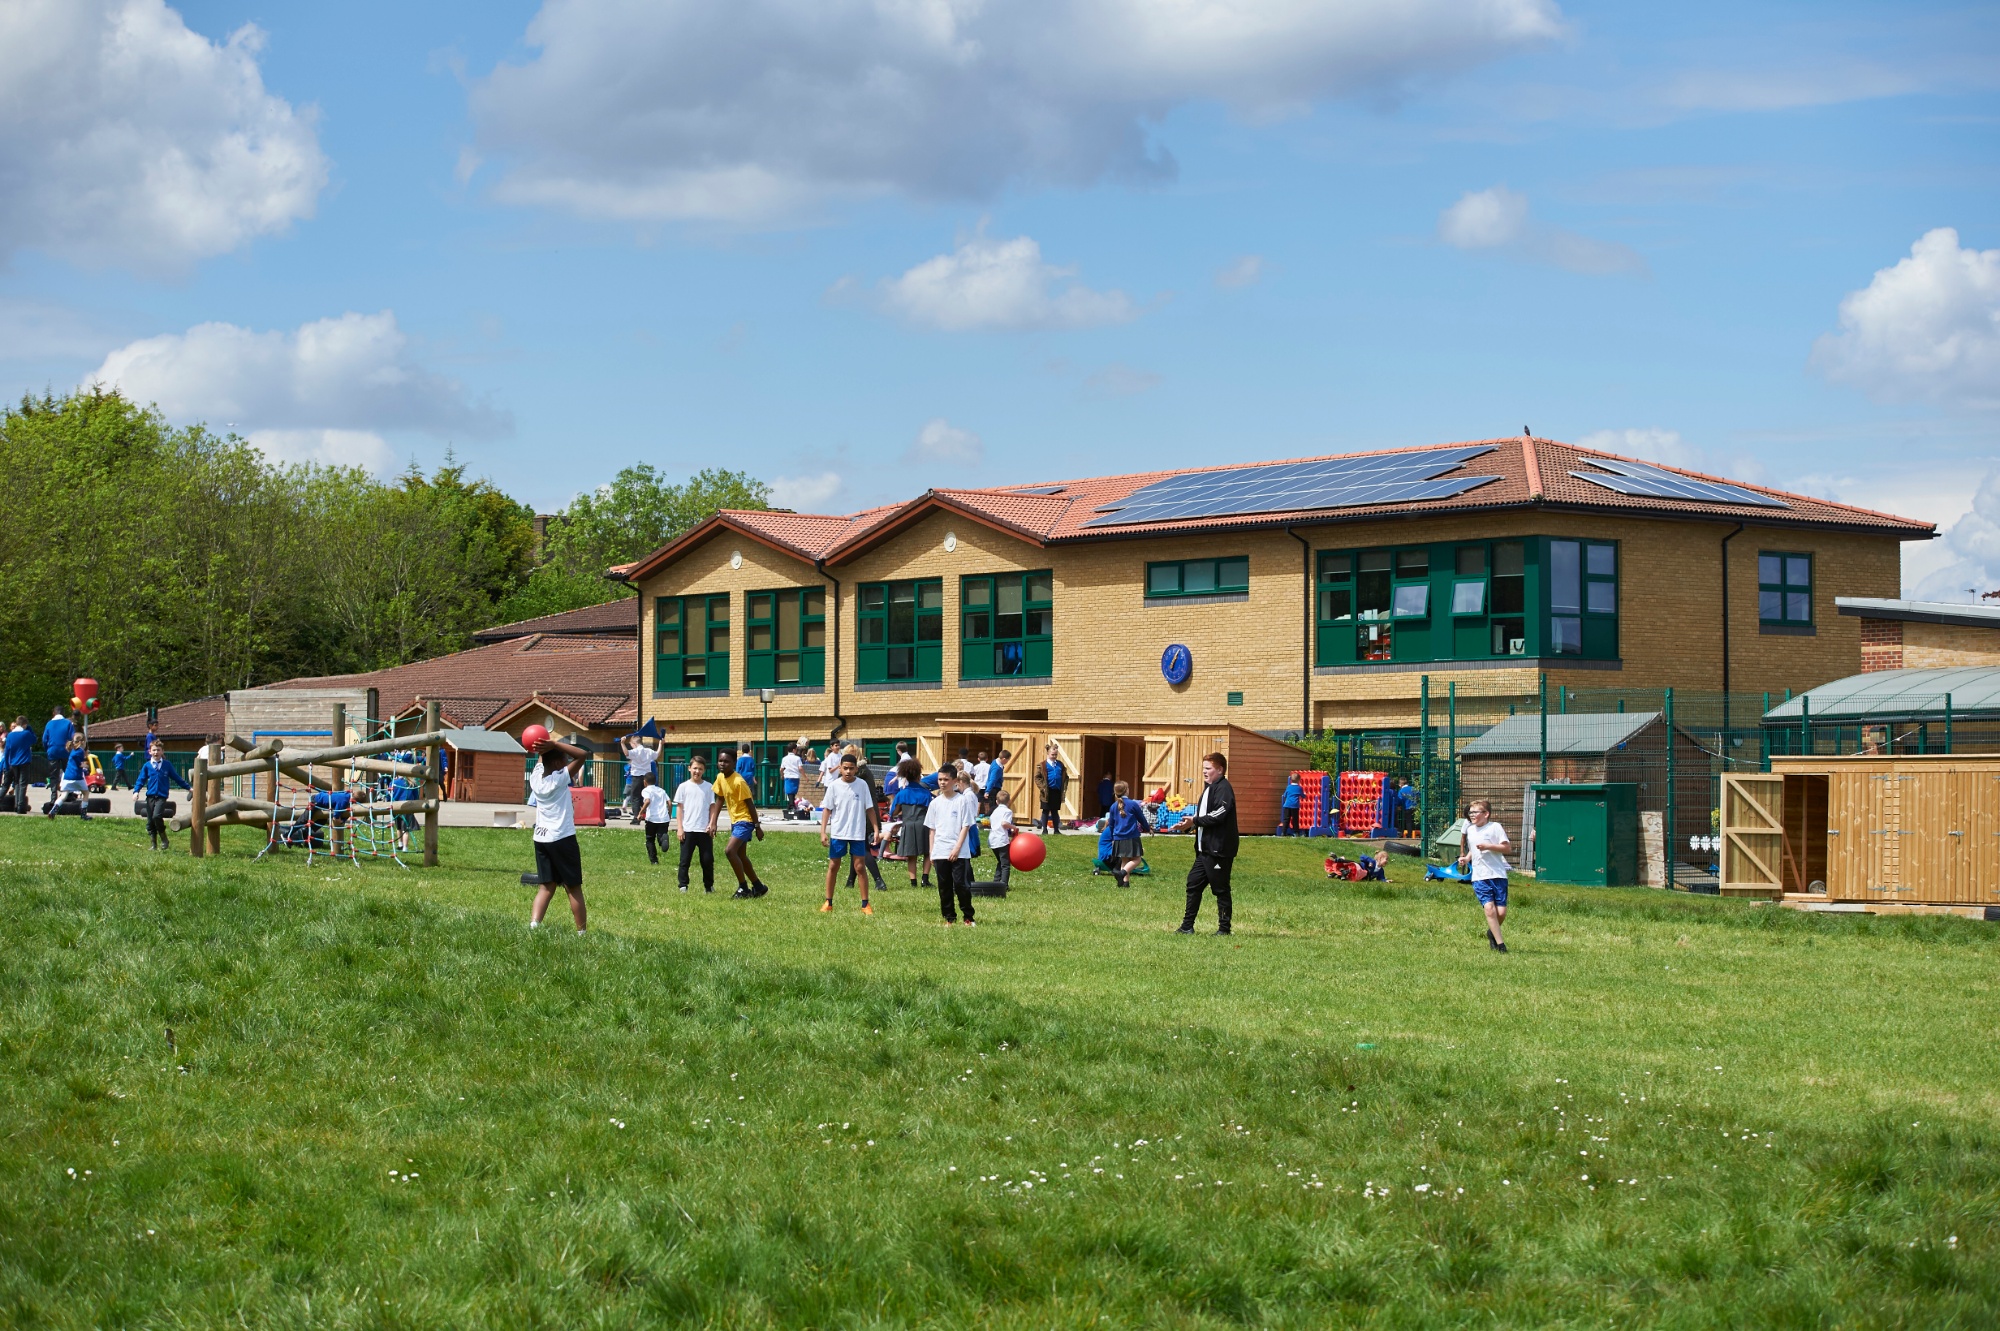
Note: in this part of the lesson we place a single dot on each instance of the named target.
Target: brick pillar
(1881, 644)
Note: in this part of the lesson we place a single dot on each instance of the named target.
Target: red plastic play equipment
(83, 695)
(1026, 852)
(534, 737)
(1360, 797)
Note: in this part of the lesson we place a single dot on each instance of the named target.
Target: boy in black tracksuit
(1215, 843)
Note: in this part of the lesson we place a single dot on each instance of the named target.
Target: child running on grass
(696, 800)
(735, 795)
(75, 780)
(847, 825)
(949, 820)
(155, 781)
(1485, 860)
(557, 858)
(656, 808)
(1128, 825)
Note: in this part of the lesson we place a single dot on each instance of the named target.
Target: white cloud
(1657, 445)
(942, 443)
(807, 494)
(1119, 380)
(127, 139)
(1243, 272)
(1927, 329)
(1497, 219)
(333, 448)
(1000, 284)
(315, 391)
(1973, 546)
(747, 109)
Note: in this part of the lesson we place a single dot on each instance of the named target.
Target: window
(902, 632)
(1007, 625)
(1784, 589)
(1583, 598)
(690, 643)
(785, 638)
(1509, 584)
(1198, 577)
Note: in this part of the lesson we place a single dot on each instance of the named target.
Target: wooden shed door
(1193, 749)
(1849, 847)
(1878, 834)
(1753, 830)
(1069, 748)
(1014, 785)
(1939, 857)
(1162, 765)
(930, 749)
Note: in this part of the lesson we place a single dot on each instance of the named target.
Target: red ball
(534, 737)
(1026, 852)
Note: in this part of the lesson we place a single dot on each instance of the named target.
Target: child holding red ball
(557, 859)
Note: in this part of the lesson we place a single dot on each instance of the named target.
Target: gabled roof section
(806, 536)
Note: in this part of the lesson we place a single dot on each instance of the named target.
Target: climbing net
(349, 808)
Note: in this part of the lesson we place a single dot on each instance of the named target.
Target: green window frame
(1170, 578)
(784, 638)
(691, 644)
(1784, 588)
(901, 631)
(1007, 625)
(1583, 598)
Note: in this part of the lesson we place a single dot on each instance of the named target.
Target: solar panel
(1284, 487)
(1637, 478)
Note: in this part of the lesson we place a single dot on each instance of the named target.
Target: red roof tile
(183, 725)
(1530, 473)
(616, 619)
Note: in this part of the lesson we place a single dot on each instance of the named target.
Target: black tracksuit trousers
(1211, 872)
(705, 843)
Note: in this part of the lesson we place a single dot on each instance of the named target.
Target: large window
(1466, 600)
(902, 632)
(785, 638)
(691, 643)
(1197, 577)
(1007, 625)
(1583, 598)
(1784, 589)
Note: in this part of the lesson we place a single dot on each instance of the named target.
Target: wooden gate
(1940, 852)
(1017, 783)
(1753, 834)
(1069, 748)
(1162, 767)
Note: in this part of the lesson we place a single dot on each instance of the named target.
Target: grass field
(389, 1104)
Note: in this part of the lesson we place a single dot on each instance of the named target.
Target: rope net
(342, 811)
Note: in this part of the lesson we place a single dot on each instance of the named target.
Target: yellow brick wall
(1108, 640)
(1940, 645)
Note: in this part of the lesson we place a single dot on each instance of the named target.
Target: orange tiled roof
(613, 619)
(1530, 472)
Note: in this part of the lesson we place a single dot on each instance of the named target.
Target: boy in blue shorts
(1485, 862)
(848, 825)
(733, 793)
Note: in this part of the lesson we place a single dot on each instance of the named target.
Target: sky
(862, 247)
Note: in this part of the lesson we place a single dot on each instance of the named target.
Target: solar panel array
(1285, 487)
(1636, 478)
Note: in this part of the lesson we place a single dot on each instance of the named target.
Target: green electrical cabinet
(1587, 833)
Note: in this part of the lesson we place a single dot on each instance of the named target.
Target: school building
(1137, 621)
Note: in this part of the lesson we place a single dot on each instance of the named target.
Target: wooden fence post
(433, 774)
(215, 829)
(198, 804)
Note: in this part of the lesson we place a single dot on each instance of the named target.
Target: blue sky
(860, 248)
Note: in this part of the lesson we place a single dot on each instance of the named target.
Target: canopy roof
(1569, 733)
(1896, 695)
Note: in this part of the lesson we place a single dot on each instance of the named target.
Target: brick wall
(1108, 638)
(1881, 644)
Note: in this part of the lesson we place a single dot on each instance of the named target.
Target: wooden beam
(336, 835)
(431, 739)
(198, 803)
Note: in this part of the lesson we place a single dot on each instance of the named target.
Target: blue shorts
(741, 831)
(836, 848)
(1490, 891)
(791, 787)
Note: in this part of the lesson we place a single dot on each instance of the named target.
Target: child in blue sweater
(155, 780)
(75, 774)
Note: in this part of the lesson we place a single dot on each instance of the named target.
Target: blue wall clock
(1176, 663)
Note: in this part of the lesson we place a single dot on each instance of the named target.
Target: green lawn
(389, 1104)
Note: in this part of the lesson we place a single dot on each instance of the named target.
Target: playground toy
(1363, 870)
(534, 737)
(346, 800)
(1026, 852)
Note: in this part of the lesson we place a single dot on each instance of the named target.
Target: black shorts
(559, 862)
(1126, 849)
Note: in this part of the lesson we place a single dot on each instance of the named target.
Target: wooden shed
(1909, 829)
(1587, 747)
(1145, 757)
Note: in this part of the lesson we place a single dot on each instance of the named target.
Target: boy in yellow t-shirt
(735, 795)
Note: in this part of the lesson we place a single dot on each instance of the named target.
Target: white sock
(534, 924)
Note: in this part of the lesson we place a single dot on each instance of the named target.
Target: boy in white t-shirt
(1000, 831)
(656, 809)
(950, 819)
(557, 859)
(639, 763)
(1485, 859)
(698, 807)
(791, 769)
(847, 826)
